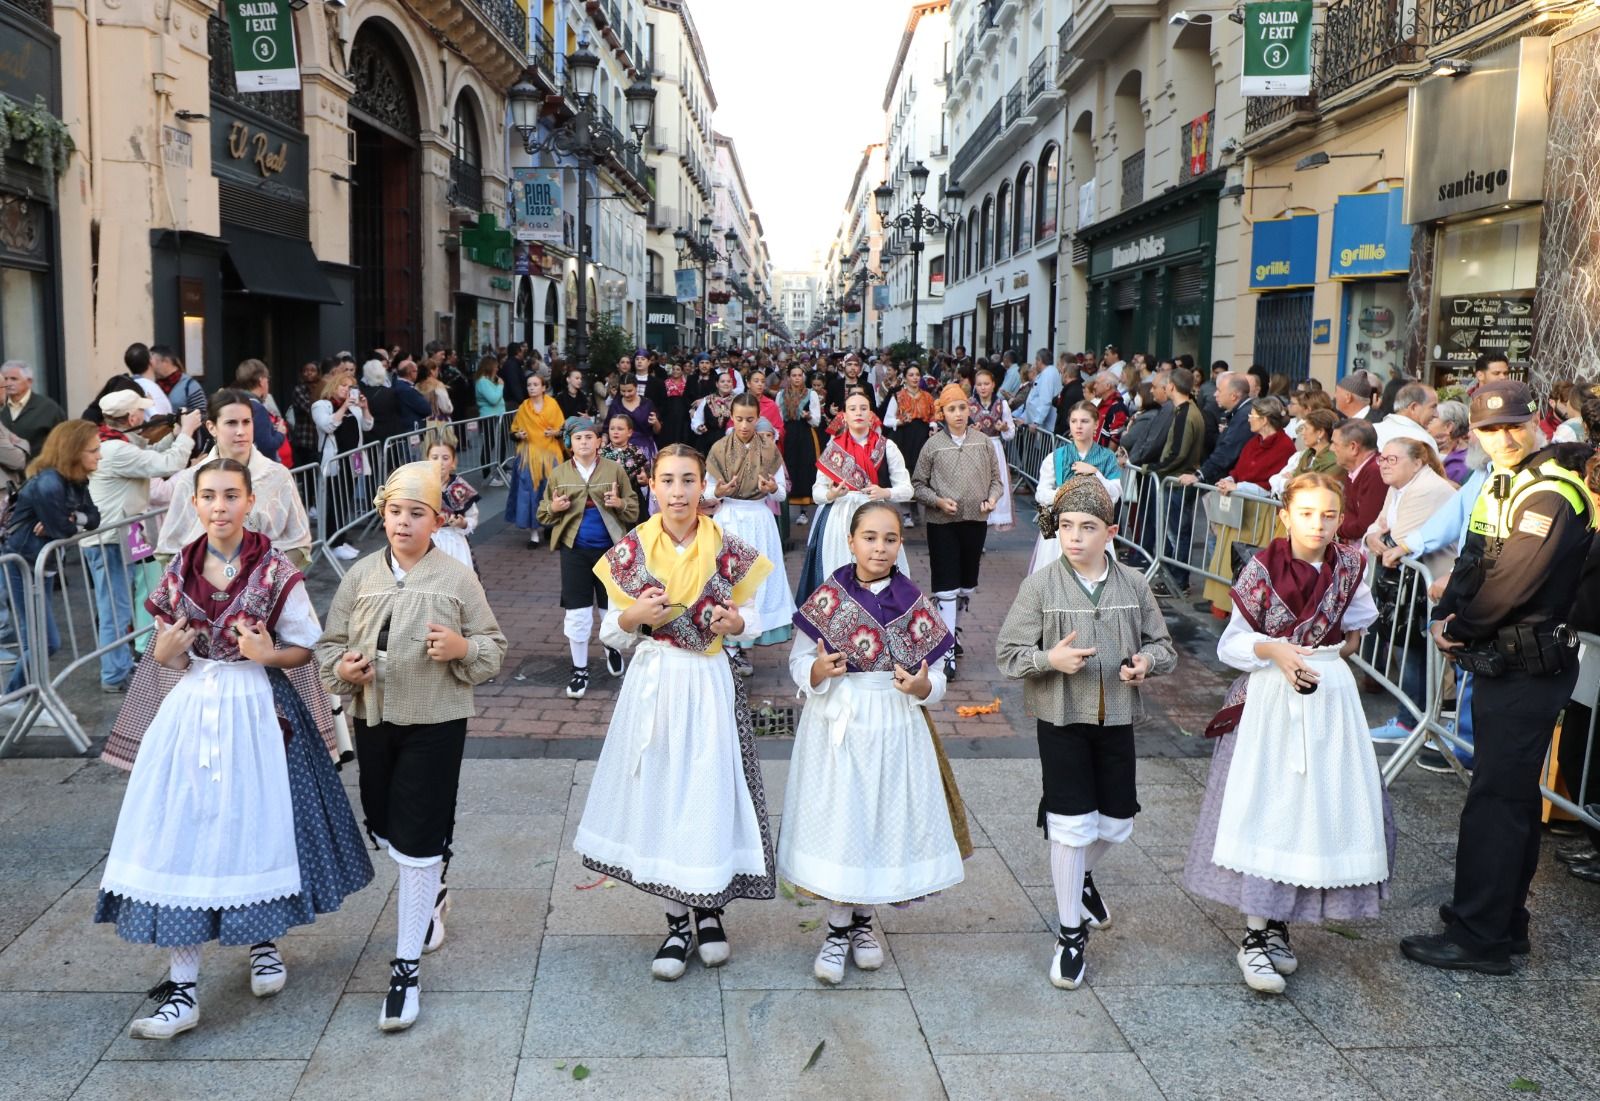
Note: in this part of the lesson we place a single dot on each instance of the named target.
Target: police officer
(1502, 616)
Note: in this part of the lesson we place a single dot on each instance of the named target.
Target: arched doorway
(552, 317)
(525, 323)
(385, 245)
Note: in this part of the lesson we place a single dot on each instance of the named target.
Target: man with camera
(1503, 618)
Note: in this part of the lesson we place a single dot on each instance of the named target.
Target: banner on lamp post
(687, 282)
(263, 45)
(536, 205)
(1277, 48)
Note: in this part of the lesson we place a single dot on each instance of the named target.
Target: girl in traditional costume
(1295, 825)
(458, 502)
(909, 419)
(744, 478)
(536, 429)
(857, 466)
(874, 816)
(801, 411)
(618, 447)
(992, 416)
(1079, 455)
(676, 807)
(234, 826)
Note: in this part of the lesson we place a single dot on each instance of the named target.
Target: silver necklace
(229, 570)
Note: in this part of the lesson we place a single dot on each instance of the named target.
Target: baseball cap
(1502, 401)
(119, 403)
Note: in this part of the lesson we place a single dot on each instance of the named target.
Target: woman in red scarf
(1265, 454)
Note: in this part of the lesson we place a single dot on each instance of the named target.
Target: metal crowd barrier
(1587, 693)
(23, 642)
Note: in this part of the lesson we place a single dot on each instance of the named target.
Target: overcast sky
(799, 89)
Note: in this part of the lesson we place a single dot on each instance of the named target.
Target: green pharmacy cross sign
(1277, 48)
(263, 45)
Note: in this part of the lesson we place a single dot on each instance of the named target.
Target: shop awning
(277, 267)
(1283, 253)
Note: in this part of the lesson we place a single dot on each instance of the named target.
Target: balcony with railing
(1363, 38)
(508, 18)
(466, 185)
(542, 53)
(1264, 112)
(982, 136)
(38, 9)
(1039, 75)
(1101, 27)
(1133, 180)
(1190, 165)
(1014, 103)
(1453, 17)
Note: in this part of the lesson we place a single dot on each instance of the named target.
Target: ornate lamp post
(693, 246)
(586, 139)
(915, 221)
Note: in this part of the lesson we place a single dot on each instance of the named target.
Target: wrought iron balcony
(39, 9)
(982, 136)
(466, 185)
(1451, 17)
(1014, 103)
(1362, 38)
(507, 18)
(1039, 75)
(1133, 180)
(1188, 169)
(542, 52)
(283, 106)
(1261, 112)
(1064, 54)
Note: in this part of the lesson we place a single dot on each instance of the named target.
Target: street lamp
(692, 247)
(586, 139)
(915, 221)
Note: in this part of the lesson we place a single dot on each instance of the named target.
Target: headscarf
(574, 425)
(1082, 493)
(950, 394)
(412, 482)
(764, 425)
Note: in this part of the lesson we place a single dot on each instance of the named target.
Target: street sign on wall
(1277, 48)
(263, 45)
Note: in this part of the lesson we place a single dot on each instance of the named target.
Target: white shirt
(162, 406)
(1237, 647)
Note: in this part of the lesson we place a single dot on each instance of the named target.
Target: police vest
(1492, 514)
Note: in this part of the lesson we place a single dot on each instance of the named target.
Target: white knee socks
(841, 916)
(1068, 863)
(675, 909)
(418, 890)
(185, 965)
(948, 609)
(578, 626)
(1113, 831)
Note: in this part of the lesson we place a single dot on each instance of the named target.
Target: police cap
(1502, 401)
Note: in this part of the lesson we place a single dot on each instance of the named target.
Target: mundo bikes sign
(263, 45)
(1277, 48)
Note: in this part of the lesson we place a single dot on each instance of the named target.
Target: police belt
(1519, 648)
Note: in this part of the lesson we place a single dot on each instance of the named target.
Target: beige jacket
(1425, 495)
(120, 485)
(410, 688)
(568, 482)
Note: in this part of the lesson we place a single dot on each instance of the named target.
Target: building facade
(744, 293)
(917, 132)
(1005, 108)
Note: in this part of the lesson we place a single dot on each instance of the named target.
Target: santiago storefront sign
(1277, 48)
(263, 45)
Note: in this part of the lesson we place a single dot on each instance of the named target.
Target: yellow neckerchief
(683, 575)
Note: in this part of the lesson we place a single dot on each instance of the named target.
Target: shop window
(23, 318)
(1283, 333)
(1373, 334)
(1484, 281)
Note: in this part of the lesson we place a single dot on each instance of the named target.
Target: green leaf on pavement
(810, 925)
(816, 1053)
(580, 1072)
(1524, 1085)
(561, 1065)
(1341, 930)
(786, 889)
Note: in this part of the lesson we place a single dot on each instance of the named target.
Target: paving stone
(1467, 1073)
(469, 1045)
(773, 952)
(595, 995)
(219, 1080)
(1556, 1017)
(49, 1042)
(24, 900)
(65, 951)
(1138, 948)
(634, 1079)
(1104, 1076)
(988, 900)
(357, 915)
(1205, 1073)
(604, 908)
(872, 1045)
(235, 1024)
(491, 943)
(504, 850)
(532, 787)
(997, 786)
(980, 993)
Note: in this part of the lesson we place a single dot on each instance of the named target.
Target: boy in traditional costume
(874, 816)
(744, 479)
(1295, 825)
(957, 479)
(676, 807)
(234, 826)
(409, 634)
(590, 506)
(1083, 634)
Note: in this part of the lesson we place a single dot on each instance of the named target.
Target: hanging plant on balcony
(720, 298)
(44, 139)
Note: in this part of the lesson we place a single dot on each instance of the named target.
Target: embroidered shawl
(875, 631)
(264, 582)
(990, 420)
(459, 496)
(853, 465)
(727, 570)
(1257, 597)
(913, 403)
(744, 463)
(539, 453)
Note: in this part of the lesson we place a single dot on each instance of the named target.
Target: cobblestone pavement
(545, 970)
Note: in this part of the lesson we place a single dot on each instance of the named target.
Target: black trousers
(1497, 850)
(1087, 768)
(580, 588)
(409, 777)
(955, 551)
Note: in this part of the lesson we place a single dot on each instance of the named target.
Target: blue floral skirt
(328, 844)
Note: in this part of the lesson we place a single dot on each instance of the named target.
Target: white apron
(1304, 801)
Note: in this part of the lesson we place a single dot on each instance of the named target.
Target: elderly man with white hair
(26, 413)
(1414, 407)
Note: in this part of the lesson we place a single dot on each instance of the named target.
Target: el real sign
(263, 45)
(1277, 48)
